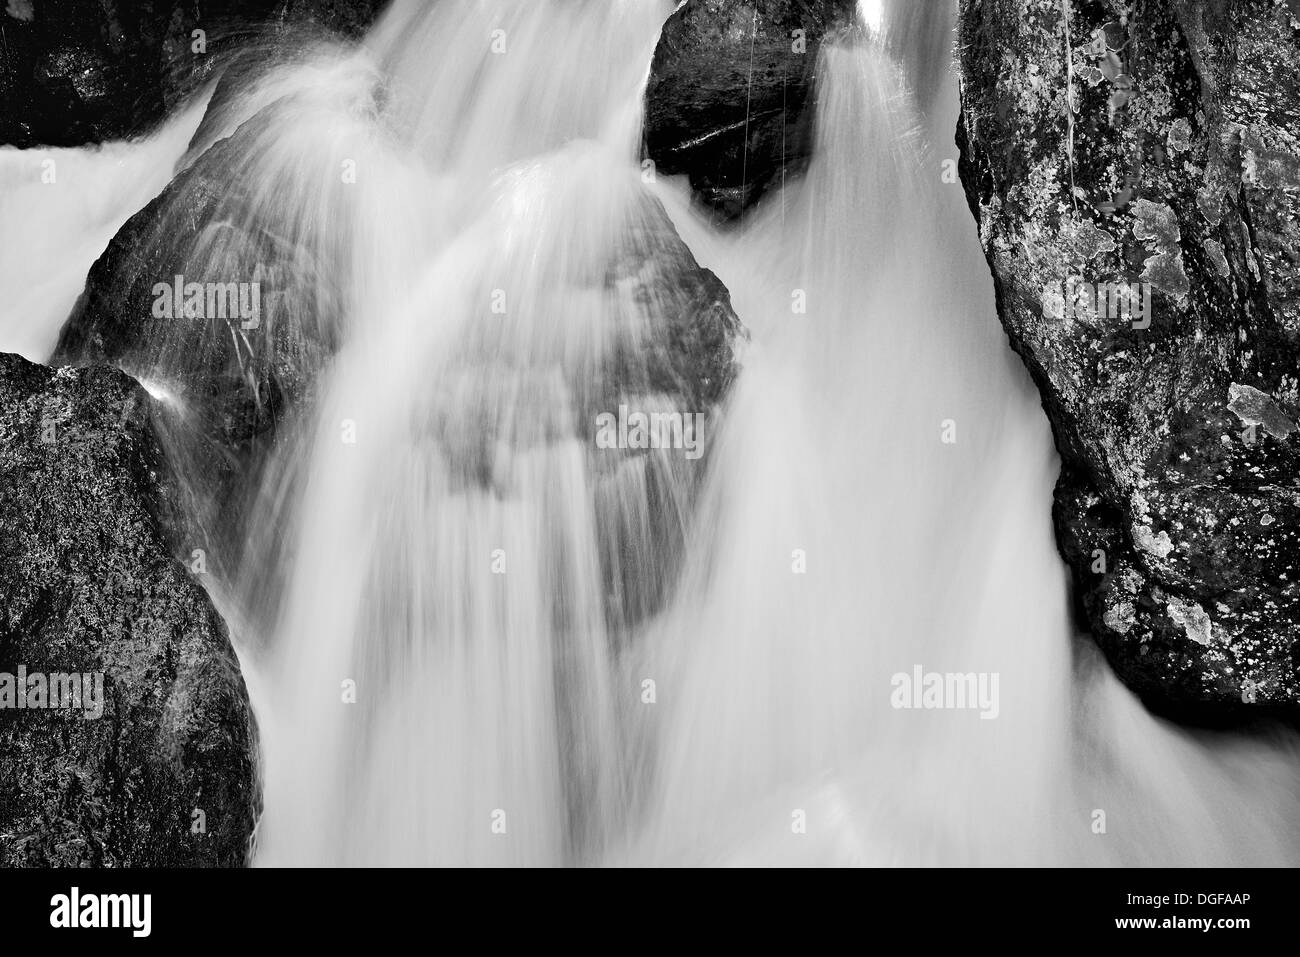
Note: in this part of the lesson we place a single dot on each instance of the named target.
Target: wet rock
(608, 325)
(84, 71)
(225, 300)
(698, 336)
(211, 295)
(164, 775)
(687, 369)
(729, 97)
(1152, 148)
(237, 216)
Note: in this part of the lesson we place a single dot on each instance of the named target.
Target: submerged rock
(164, 774)
(82, 71)
(1113, 153)
(677, 349)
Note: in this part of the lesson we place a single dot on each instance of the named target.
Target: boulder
(225, 296)
(729, 99)
(158, 767)
(1133, 171)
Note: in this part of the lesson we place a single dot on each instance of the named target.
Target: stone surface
(227, 382)
(86, 71)
(1160, 154)
(728, 100)
(88, 585)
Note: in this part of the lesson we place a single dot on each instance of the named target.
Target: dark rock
(606, 310)
(689, 364)
(273, 280)
(694, 355)
(729, 96)
(88, 584)
(85, 71)
(1163, 152)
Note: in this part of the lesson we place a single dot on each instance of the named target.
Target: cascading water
(452, 603)
(844, 541)
(459, 579)
(918, 554)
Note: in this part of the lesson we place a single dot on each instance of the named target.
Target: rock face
(85, 71)
(736, 122)
(164, 775)
(1148, 152)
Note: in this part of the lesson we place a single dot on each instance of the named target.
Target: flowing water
(472, 640)
(81, 198)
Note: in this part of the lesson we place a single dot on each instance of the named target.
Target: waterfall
(474, 636)
(451, 557)
(780, 739)
(844, 540)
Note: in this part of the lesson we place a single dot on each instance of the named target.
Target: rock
(271, 284)
(88, 585)
(84, 71)
(688, 365)
(697, 337)
(602, 312)
(1138, 207)
(264, 205)
(729, 96)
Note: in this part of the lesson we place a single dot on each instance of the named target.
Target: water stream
(474, 637)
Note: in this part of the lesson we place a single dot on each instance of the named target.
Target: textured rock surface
(87, 584)
(84, 71)
(736, 122)
(677, 347)
(203, 227)
(1162, 150)
(246, 214)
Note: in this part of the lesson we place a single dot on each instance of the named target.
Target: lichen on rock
(1176, 436)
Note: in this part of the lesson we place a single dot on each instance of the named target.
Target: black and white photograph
(644, 434)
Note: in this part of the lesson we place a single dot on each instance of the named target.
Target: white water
(58, 210)
(918, 552)
(477, 691)
(522, 692)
